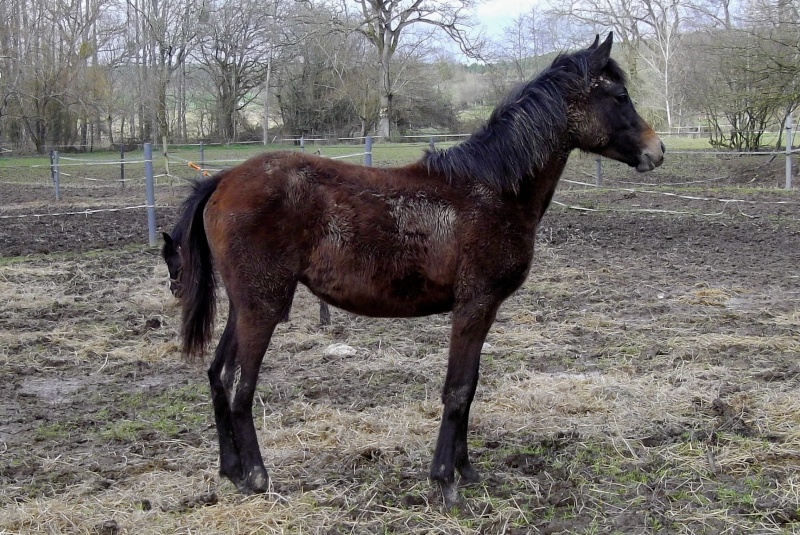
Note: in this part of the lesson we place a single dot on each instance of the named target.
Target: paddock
(645, 379)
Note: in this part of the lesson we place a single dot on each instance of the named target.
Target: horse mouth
(652, 156)
(175, 289)
(648, 162)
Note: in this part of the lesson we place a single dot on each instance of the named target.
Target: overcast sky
(495, 14)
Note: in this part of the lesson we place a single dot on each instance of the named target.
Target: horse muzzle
(175, 288)
(651, 157)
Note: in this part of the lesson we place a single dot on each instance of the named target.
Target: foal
(451, 232)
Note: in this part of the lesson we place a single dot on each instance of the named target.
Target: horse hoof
(258, 481)
(469, 474)
(449, 494)
(243, 487)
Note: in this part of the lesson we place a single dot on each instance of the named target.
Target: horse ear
(601, 53)
(596, 42)
(167, 238)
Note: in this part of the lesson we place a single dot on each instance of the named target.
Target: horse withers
(453, 231)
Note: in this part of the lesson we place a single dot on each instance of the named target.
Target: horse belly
(367, 301)
(382, 286)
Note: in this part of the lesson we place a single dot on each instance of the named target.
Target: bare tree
(385, 23)
(165, 38)
(355, 74)
(527, 45)
(775, 27)
(703, 15)
(9, 66)
(237, 42)
(49, 52)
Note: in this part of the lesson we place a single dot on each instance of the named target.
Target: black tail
(198, 301)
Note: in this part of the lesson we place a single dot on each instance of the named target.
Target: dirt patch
(644, 380)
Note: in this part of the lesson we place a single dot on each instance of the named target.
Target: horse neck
(537, 189)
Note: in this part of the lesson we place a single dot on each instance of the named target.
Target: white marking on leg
(257, 479)
(235, 384)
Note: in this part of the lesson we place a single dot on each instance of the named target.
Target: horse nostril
(663, 148)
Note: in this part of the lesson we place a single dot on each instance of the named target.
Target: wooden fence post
(151, 201)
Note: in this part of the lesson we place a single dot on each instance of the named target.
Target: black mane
(523, 130)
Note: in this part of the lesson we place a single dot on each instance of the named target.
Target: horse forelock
(523, 131)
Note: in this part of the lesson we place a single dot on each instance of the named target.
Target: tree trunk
(385, 110)
(110, 122)
(226, 111)
(384, 122)
(84, 133)
(265, 125)
(184, 131)
(161, 107)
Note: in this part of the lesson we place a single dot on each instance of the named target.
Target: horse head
(171, 253)
(603, 119)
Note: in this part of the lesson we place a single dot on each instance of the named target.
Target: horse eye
(622, 98)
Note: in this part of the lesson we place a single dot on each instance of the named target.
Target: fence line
(81, 162)
(367, 153)
(86, 212)
(89, 163)
(739, 153)
(788, 152)
(656, 184)
(637, 210)
(149, 177)
(678, 195)
(346, 156)
(108, 180)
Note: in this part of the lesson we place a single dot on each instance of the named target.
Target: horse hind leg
(233, 377)
(230, 463)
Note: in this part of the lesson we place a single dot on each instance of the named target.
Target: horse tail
(198, 300)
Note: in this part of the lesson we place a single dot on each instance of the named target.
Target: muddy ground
(646, 379)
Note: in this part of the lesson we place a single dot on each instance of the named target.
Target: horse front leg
(470, 326)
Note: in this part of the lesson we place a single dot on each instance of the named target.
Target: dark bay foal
(451, 232)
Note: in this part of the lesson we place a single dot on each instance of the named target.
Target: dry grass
(613, 398)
